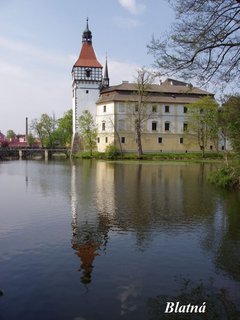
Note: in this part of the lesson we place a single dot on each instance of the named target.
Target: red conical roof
(87, 57)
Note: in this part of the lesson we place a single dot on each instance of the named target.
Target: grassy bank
(227, 177)
(195, 157)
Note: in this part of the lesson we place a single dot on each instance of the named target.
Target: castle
(113, 108)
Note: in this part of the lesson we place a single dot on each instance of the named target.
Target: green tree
(88, 131)
(63, 133)
(141, 113)
(44, 128)
(203, 121)
(231, 121)
(31, 139)
(203, 43)
(11, 134)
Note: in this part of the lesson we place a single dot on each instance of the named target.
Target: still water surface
(93, 240)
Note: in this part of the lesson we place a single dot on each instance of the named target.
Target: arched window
(103, 126)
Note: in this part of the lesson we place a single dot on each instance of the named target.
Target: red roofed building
(87, 82)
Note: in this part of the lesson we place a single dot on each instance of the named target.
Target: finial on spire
(87, 34)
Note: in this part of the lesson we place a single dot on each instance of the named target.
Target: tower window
(88, 73)
(106, 139)
(154, 109)
(98, 140)
(104, 108)
(159, 139)
(122, 139)
(103, 126)
(87, 91)
(181, 140)
(185, 127)
(185, 109)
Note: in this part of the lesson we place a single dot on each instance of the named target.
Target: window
(122, 139)
(87, 91)
(103, 126)
(104, 108)
(167, 109)
(88, 73)
(167, 126)
(181, 140)
(154, 109)
(136, 108)
(185, 127)
(159, 139)
(98, 140)
(185, 109)
(121, 107)
(121, 124)
(106, 139)
(211, 147)
(154, 126)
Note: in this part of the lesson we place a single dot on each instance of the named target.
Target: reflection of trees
(223, 236)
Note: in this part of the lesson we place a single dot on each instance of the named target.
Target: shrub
(226, 177)
(111, 152)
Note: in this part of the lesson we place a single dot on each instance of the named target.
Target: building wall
(85, 95)
(155, 138)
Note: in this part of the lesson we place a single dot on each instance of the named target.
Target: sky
(40, 40)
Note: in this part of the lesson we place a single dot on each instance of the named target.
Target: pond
(90, 240)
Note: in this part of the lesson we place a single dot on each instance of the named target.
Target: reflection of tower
(89, 227)
(105, 193)
(86, 250)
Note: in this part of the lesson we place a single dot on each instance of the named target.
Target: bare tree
(141, 114)
(203, 43)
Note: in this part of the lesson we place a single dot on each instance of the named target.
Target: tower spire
(87, 34)
(105, 83)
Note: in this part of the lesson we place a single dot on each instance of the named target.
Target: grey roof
(170, 91)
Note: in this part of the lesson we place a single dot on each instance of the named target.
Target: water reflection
(133, 230)
(89, 226)
(150, 201)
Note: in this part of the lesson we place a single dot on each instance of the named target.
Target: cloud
(132, 6)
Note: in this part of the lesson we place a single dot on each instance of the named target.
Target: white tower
(87, 80)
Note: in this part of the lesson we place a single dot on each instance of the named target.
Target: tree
(11, 134)
(231, 121)
(44, 128)
(141, 113)
(31, 139)
(203, 43)
(88, 130)
(63, 133)
(203, 121)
